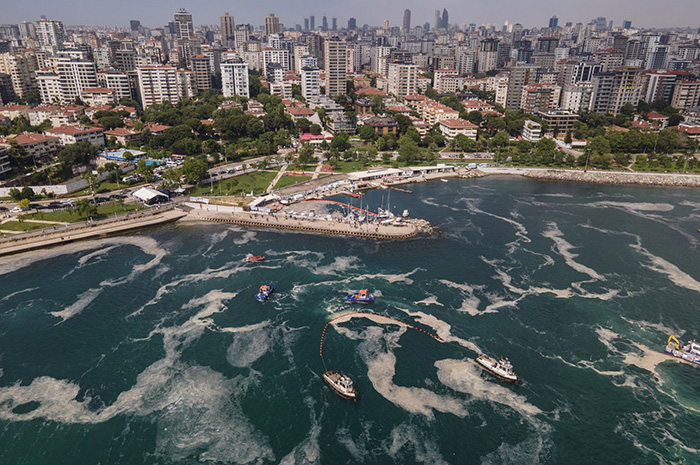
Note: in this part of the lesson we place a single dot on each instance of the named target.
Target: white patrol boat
(341, 384)
(501, 369)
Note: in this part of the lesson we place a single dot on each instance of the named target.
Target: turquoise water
(151, 349)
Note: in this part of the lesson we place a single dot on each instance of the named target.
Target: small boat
(501, 369)
(362, 297)
(256, 258)
(265, 291)
(341, 384)
(689, 352)
(443, 180)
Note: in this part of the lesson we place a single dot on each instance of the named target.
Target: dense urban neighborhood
(96, 109)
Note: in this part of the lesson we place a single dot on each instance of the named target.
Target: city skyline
(642, 13)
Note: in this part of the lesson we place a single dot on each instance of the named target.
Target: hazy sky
(530, 13)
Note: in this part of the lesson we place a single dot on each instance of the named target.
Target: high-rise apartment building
(20, 70)
(488, 55)
(228, 28)
(612, 90)
(520, 76)
(686, 94)
(234, 78)
(184, 29)
(51, 34)
(201, 67)
(310, 82)
(334, 59)
(66, 80)
(272, 24)
(402, 79)
(240, 37)
(118, 81)
(158, 84)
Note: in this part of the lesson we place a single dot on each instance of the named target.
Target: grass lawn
(24, 226)
(257, 182)
(70, 216)
(290, 181)
(104, 188)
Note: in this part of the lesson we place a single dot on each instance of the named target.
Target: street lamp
(588, 154)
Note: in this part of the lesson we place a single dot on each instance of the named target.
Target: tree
(27, 193)
(567, 138)
(84, 208)
(464, 143)
(475, 117)
(340, 141)
(194, 169)
(366, 132)
(303, 125)
(315, 129)
(599, 145)
(409, 151)
(81, 153)
(495, 123)
(15, 194)
(306, 155)
(545, 151)
(144, 170)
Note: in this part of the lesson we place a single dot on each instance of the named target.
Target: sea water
(150, 348)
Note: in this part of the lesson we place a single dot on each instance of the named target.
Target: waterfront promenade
(53, 236)
(64, 234)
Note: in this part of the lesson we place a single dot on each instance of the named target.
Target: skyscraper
(183, 25)
(135, 24)
(334, 59)
(272, 24)
(352, 24)
(626, 24)
(334, 24)
(306, 24)
(312, 23)
(407, 20)
(438, 20)
(553, 22)
(445, 19)
(228, 26)
(324, 23)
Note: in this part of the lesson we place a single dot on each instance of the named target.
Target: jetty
(406, 229)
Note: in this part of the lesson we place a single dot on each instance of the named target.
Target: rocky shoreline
(602, 177)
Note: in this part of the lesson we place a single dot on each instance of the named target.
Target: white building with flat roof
(234, 78)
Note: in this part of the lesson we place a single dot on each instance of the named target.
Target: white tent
(148, 195)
